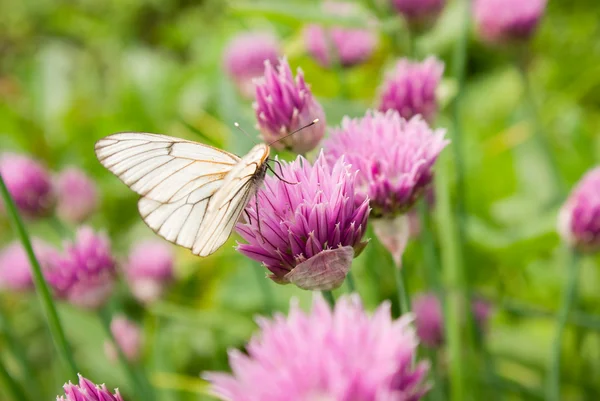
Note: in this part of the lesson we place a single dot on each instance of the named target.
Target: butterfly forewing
(192, 194)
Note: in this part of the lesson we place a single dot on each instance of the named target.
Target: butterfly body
(191, 194)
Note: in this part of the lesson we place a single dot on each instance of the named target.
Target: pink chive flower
(394, 157)
(579, 217)
(85, 273)
(284, 104)
(29, 184)
(149, 269)
(419, 13)
(505, 21)
(128, 336)
(344, 354)
(347, 46)
(77, 195)
(15, 269)
(245, 56)
(429, 318)
(410, 88)
(88, 391)
(310, 228)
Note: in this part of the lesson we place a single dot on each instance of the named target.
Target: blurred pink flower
(85, 273)
(15, 269)
(245, 56)
(128, 336)
(579, 218)
(310, 231)
(29, 184)
(77, 196)
(502, 21)
(351, 46)
(284, 104)
(419, 13)
(149, 269)
(411, 87)
(88, 391)
(344, 354)
(394, 158)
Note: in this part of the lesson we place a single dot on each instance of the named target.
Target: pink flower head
(502, 21)
(85, 273)
(29, 184)
(350, 46)
(149, 269)
(310, 228)
(344, 354)
(429, 318)
(284, 104)
(394, 157)
(15, 269)
(88, 391)
(419, 13)
(77, 195)
(579, 218)
(245, 56)
(129, 338)
(411, 88)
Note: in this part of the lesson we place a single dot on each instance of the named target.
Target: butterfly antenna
(237, 125)
(316, 120)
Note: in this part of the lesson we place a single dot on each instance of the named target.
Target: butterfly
(191, 194)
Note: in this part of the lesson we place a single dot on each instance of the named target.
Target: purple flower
(128, 336)
(344, 354)
(77, 196)
(284, 104)
(579, 218)
(15, 269)
(28, 183)
(419, 13)
(88, 391)
(348, 46)
(411, 88)
(85, 273)
(502, 21)
(310, 228)
(394, 157)
(245, 56)
(149, 269)
(429, 318)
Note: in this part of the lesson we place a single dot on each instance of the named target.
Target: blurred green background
(73, 72)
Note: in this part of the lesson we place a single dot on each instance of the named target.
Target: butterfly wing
(229, 201)
(176, 179)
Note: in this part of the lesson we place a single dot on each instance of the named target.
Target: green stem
(14, 390)
(266, 291)
(329, 297)
(56, 329)
(569, 294)
(403, 299)
(138, 384)
(453, 231)
(350, 282)
(437, 389)
(430, 257)
(538, 131)
(58, 226)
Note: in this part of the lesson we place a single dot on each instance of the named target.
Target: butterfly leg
(277, 175)
(258, 215)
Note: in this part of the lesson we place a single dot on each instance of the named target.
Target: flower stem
(56, 329)
(350, 283)
(266, 291)
(14, 390)
(568, 298)
(329, 297)
(138, 384)
(403, 299)
(61, 230)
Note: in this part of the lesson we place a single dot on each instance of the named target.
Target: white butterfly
(191, 194)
